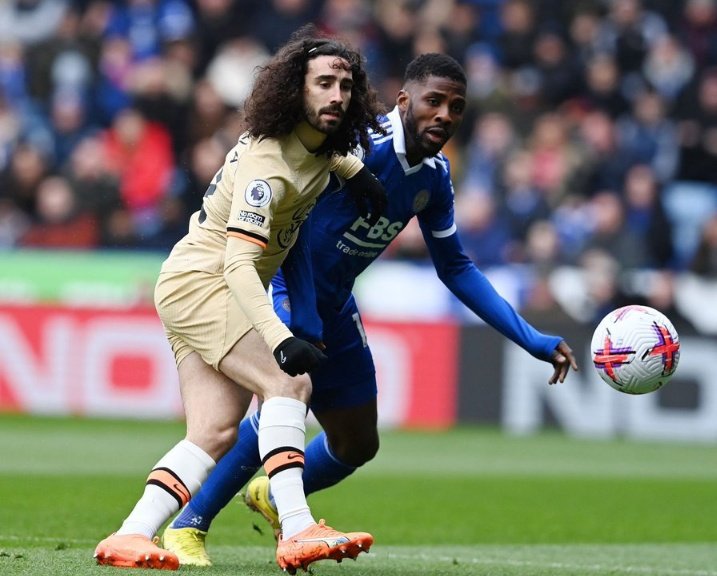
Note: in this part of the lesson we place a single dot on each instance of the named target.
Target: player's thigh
(251, 363)
(348, 377)
(213, 405)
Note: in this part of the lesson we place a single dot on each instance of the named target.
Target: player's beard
(314, 118)
(423, 145)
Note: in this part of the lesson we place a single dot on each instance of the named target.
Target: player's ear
(402, 100)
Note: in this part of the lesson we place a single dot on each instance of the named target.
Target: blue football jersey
(343, 244)
(337, 244)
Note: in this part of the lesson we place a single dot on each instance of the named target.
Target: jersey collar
(399, 144)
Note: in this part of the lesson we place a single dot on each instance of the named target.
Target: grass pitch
(468, 502)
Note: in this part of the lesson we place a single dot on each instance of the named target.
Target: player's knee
(298, 387)
(215, 439)
(356, 451)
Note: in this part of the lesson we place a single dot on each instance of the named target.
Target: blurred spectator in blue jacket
(648, 136)
(30, 21)
(668, 68)
(704, 261)
(645, 216)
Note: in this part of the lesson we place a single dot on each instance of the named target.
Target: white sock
(173, 480)
(282, 435)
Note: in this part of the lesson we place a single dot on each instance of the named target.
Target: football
(635, 349)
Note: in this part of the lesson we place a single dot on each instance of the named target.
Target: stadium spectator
(22, 177)
(161, 90)
(489, 89)
(602, 163)
(521, 202)
(485, 234)
(697, 129)
(462, 28)
(310, 105)
(278, 19)
(603, 86)
(648, 136)
(697, 30)
(13, 74)
(60, 221)
(517, 34)
(557, 68)
(668, 68)
(30, 21)
(13, 223)
(555, 158)
(65, 62)
(69, 123)
(148, 24)
(588, 38)
(139, 154)
(207, 113)
(645, 216)
(704, 262)
(632, 29)
(611, 234)
(542, 247)
(217, 22)
(493, 141)
(232, 69)
(97, 189)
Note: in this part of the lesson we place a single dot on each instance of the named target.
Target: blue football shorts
(348, 378)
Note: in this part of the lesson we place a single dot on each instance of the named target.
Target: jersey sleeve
(462, 277)
(345, 166)
(253, 202)
(437, 218)
(248, 232)
(243, 280)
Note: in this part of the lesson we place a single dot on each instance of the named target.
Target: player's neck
(310, 137)
(413, 158)
(414, 155)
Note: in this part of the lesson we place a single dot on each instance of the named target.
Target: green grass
(466, 502)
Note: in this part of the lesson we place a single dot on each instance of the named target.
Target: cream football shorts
(199, 314)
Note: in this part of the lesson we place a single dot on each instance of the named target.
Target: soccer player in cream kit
(335, 245)
(309, 106)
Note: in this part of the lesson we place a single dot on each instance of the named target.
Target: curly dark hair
(276, 103)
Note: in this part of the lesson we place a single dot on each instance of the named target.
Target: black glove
(369, 195)
(296, 356)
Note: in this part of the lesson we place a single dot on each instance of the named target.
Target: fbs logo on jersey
(257, 193)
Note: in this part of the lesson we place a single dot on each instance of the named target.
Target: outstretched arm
(462, 277)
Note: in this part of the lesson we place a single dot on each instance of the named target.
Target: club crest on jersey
(420, 200)
(257, 193)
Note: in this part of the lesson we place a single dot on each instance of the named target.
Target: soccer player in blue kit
(416, 175)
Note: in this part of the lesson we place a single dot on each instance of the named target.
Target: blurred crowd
(587, 161)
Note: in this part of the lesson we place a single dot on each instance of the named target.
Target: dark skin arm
(562, 360)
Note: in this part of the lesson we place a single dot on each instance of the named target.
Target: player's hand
(369, 195)
(296, 356)
(562, 360)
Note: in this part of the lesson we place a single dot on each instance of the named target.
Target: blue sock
(233, 470)
(322, 469)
